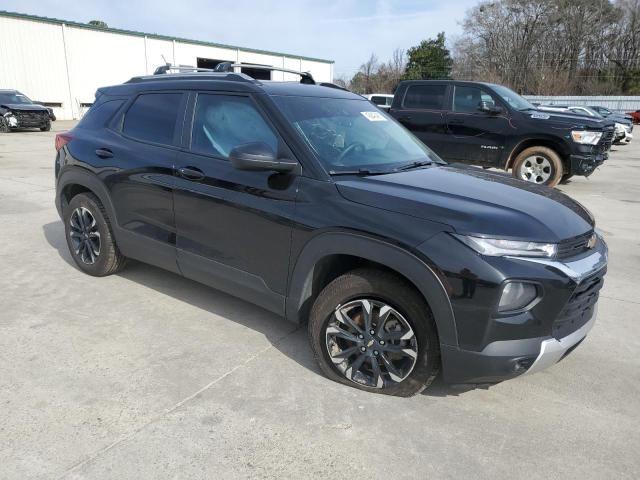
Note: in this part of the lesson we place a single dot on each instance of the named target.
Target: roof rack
(305, 77)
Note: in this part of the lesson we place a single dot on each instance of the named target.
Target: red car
(635, 115)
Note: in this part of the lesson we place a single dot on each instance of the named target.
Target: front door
(476, 137)
(233, 226)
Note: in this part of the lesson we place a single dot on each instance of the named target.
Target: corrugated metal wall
(615, 103)
(60, 63)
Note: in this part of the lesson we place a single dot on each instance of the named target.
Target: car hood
(473, 201)
(25, 107)
(570, 120)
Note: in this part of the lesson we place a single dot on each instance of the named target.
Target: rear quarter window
(428, 97)
(153, 117)
(100, 114)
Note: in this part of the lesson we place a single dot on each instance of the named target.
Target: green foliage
(429, 60)
(98, 23)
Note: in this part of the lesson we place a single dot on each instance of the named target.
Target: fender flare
(72, 175)
(417, 271)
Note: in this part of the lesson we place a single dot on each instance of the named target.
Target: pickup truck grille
(604, 145)
(573, 246)
(580, 307)
(31, 119)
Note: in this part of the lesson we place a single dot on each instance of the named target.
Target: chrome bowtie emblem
(592, 241)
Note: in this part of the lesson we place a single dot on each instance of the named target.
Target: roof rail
(305, 77)
(179, 69)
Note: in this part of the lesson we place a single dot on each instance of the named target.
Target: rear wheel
(370, 330)
(90, 237)
(539, 165)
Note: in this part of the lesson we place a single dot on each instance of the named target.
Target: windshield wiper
(359, 171)
(417, 164)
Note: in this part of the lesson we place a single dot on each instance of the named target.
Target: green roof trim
(56, 21)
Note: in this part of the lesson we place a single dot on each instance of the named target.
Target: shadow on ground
(293, 344)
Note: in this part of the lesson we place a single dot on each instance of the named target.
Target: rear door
(422, 111)
(234, 226)
(475, 136)
(138, 162)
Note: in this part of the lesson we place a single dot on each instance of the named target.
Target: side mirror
(490, 108)
(258, 156)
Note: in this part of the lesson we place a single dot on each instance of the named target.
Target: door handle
(104, 153)
(456, 121)
(191, 173)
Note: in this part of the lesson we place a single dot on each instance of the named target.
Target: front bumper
(493, 347)
(586, 164)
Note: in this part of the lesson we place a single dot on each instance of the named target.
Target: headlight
(586, 137)
(620, 127)
(11, 120)
(517, 295)
(497, 247)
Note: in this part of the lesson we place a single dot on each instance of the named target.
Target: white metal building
(61, 64)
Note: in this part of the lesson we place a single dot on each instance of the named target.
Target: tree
(98, 23)
(429, 60)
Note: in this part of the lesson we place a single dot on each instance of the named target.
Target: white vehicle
(381, 100)
(623, 131)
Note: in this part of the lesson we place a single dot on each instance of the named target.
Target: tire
(4, 126)
(46, 128)
(545, 163)
(410, 315)
(99, 257)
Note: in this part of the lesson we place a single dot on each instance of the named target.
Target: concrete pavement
(148, 375)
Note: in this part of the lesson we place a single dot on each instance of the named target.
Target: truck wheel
(370, 330)
(539, 165)
(46, 128)
(90, 237)
(4, 126)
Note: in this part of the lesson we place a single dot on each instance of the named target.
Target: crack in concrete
(171, 409)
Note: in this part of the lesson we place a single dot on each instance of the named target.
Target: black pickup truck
(492, 126)
(18, 111)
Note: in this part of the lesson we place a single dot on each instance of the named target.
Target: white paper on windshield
(373, 116)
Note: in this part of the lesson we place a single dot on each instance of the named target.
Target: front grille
(573, 246)
(30, 119)
(605, 142)
(580, 307)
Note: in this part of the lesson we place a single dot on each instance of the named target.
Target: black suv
(312, 203)
(18, 111)
(492, 126)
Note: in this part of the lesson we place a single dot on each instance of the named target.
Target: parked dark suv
(18, 111)
(492, 126)
(312, 203)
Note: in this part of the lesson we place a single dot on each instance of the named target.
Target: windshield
(9, 98)
(353, 134)
(513, 99)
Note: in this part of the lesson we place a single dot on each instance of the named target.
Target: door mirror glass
(259, 156)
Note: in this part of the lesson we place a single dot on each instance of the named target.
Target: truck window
(152, 117)
(468, 99)
(430, 97)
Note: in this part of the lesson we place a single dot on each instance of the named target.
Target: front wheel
(539, 165)
(371, 330)
(46, 128)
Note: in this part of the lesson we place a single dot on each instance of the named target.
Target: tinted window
(468, 99)
(426, 96)
(379, 100)
(152, 117)
(223, 122)
(14, 97)
(100, 114)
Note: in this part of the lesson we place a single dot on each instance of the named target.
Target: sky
(346, 31)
